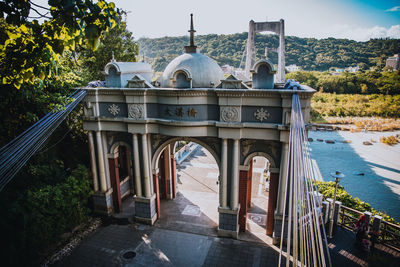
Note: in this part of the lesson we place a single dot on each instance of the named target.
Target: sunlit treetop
(33, 37)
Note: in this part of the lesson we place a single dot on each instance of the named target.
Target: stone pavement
(160, 247)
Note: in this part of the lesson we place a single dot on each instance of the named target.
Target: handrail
(389, 233)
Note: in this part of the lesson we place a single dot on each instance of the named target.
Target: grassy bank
(373, 112)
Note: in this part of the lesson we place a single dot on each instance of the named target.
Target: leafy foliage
(326, 104)
(308, 53)
(30, 50)
(41, 215)
(361, 82)
(118, 41)
(327, 189)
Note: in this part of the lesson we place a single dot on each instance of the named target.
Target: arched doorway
(120, 166)
(186, 183)
(258, 193)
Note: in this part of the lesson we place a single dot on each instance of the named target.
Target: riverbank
(372, 172)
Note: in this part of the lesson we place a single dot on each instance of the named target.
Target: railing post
(368, 216)
(376, 224)
(326, 209)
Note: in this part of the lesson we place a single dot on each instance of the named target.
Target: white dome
(203, 71)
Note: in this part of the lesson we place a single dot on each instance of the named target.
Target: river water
(380, 163)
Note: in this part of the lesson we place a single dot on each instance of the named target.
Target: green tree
(30, 49)
(118, 41)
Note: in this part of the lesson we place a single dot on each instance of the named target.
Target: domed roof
(203, 71)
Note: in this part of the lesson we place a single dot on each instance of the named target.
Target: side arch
(259, 154)
(115, 145)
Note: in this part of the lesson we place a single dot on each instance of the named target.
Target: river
(380, 163)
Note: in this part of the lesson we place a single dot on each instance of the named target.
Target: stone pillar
(336, 213)
(243, 177)
(281, 55)
(106, 167)
(325, 209)
(157, 192)
(115, 183)
(138, 184)
(168, 173)
(223, 186)
(235, 175)
(146, 173)
(368, 216)
(93, 162)
(249, 183)
(229, 216)
(173, 165)
(272, 199)
(100, 155)
(376, 224)
(250, 53)
(145, 206)
(281, 194)
(102, 200)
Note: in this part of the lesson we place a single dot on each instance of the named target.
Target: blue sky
(353, 19)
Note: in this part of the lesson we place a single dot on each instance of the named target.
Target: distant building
(292, 68)
(393, 62)
(352, 69)
(339, 70)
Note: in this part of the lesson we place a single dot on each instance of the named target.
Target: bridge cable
(306, 241)
(15, 154)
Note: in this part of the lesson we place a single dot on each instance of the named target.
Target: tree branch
(36, 5)
(41, 15)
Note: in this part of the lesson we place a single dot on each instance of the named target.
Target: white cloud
(394, 9)
(363, 34)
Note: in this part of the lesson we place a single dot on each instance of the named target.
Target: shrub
(390, 140)
(37, 220)
(327, 189)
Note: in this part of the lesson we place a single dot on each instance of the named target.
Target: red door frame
(115, 183)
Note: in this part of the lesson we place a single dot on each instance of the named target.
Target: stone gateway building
(133, 127)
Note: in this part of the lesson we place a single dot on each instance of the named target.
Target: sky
(352, 19)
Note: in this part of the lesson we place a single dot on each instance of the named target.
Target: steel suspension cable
(305, 241)
(16, 153)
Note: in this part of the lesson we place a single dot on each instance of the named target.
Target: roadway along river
(380, 163)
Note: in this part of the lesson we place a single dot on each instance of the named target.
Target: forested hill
(308, 53)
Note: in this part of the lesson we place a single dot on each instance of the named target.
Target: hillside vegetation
(309, 53)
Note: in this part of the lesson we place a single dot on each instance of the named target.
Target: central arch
(160, 148)
(187, 191)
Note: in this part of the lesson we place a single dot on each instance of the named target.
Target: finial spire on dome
(191, 48)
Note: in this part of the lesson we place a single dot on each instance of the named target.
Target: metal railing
(389, 233)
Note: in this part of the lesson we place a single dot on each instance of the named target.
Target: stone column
(106, 166)
(102, 200)
(223, 186)
(229, 216)
(100, 155)
(138, 184)
(173, 172)
(157, 192)
(250, 53)
(146, 174)
(93, 161)
(235, 176)
(146, 206)
(281, 55)
(272, 199)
